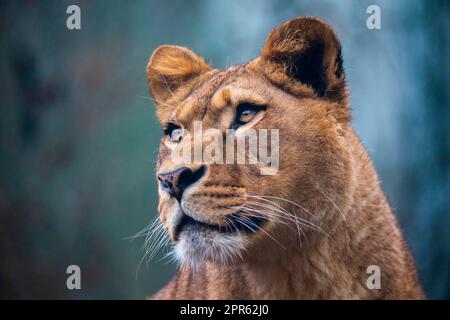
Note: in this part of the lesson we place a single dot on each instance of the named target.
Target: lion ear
(171, 66)
(306, 50)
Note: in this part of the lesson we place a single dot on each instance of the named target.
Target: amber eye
(245, 113)
(174, 133)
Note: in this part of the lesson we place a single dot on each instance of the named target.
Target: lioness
(320, 228)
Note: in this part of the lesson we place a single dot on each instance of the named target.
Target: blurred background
(78, 135)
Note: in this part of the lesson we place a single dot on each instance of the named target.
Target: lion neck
(294, 272)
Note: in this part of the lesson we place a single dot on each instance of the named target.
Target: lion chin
(197, 247)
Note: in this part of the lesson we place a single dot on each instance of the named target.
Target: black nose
(175, 182)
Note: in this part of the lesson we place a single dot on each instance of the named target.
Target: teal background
(78, 135)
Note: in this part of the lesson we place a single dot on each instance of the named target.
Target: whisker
(142, 232)
(266, 215)
(335, 205)
(282, 199)
(155, 238)
(259, 228)
(310, 224)
(300, 231)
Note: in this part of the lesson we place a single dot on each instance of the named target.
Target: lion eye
(245, 113)
(174, 133)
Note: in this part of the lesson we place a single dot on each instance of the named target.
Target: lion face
(270, 135)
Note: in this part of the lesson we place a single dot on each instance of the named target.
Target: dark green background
(78, 136)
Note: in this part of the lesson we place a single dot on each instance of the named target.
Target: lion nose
(175, 182)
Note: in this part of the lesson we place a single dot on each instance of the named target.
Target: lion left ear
(306, 50)
(168, 69)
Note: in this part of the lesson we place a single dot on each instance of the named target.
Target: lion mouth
(237, 223)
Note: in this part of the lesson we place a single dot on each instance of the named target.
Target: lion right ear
(306, 50)
(169, 67)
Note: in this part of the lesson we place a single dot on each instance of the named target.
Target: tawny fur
(323, 167)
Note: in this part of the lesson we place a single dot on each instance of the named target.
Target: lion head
(226, 211)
